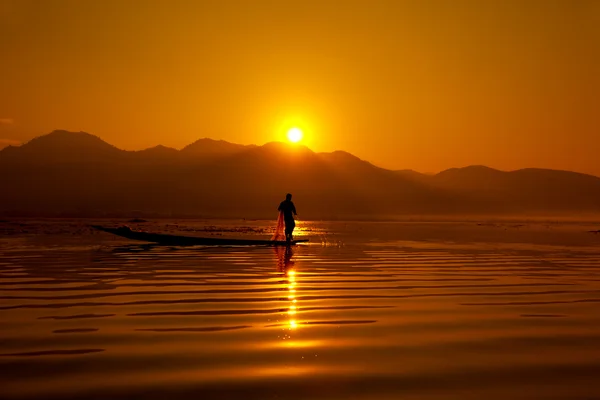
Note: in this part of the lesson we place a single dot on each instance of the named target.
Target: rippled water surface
(366, 311)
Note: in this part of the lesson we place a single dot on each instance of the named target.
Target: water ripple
(366, 319)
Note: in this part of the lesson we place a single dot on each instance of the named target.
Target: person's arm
(279, 208)
(294, 209)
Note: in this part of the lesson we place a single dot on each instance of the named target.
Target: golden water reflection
(286, 266)
(291, 276)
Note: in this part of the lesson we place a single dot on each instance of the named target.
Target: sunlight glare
(295, 135)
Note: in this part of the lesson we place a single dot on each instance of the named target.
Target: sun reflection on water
(286, 266)
(291, 276)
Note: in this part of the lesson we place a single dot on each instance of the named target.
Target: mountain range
(78, 174)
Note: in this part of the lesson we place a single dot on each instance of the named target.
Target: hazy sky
(418, 84)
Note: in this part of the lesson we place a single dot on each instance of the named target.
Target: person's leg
(292, 225)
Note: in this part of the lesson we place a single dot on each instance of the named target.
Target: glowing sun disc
(295, 135)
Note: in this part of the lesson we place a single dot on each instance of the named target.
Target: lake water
(408, 310)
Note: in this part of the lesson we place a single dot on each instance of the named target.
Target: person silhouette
(288, 209)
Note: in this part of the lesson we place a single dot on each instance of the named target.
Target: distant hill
(413, 175)
(524, 190)
(61, 146)
(158, 153)
(208, 149)
(75, 173)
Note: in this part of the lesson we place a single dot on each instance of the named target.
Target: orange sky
(416, 84)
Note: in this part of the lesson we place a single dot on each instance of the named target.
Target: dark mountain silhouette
(61, 147)
(413, 175)
(525, 189)
(160, 154)
(209, 149)
(66, 173)
(159, 151)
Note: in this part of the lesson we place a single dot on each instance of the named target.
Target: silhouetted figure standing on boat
(288, 209)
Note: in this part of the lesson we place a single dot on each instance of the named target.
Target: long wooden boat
(176, 240)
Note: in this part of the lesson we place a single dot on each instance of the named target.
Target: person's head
(288, 196)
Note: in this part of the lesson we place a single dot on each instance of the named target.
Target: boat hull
(175, 240)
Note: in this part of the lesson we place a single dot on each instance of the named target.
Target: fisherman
(289, 210)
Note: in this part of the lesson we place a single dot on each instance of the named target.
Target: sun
(295, 135)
